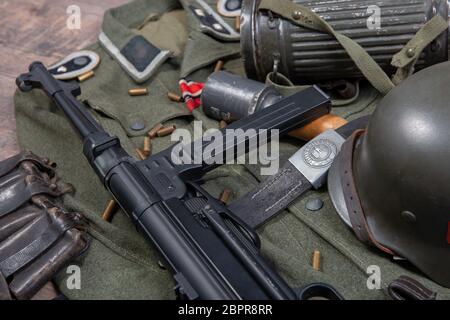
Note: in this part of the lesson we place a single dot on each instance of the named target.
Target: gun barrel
(63, 94)
(81, 120)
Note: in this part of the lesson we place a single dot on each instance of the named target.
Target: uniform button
(314, 204)
(137, 125)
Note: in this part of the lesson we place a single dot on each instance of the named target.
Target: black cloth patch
(209, 20)
(140, 53)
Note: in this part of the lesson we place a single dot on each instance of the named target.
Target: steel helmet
(391, 183)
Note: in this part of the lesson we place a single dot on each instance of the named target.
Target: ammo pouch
(37, 235)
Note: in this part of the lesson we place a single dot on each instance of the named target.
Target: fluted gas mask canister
(273, 44)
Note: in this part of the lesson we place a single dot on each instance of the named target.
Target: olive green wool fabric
(120, 264)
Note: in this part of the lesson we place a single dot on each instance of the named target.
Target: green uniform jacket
(120, 264)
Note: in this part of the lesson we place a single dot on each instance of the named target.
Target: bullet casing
(316, 260)
(154, 131)
(219, 65)
(166, 131)
(138, 92)
(86, 76)
(141, 155)
(225, 196)
(109, 210)
(147, 146)
(174, 97)
(237, 23)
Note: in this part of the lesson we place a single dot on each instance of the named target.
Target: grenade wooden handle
(318, 126)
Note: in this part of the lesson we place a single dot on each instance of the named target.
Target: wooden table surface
(33, 30)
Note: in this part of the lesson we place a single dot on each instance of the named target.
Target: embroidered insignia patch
(139, 58)
(74, 65)
(211, 23)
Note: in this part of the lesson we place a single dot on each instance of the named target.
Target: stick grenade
(228, 97)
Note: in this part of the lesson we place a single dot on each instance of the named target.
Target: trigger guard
(318, 290)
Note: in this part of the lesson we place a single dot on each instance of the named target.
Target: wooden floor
(33, 30)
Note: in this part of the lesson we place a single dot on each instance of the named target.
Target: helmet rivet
(296, 15)
(409, 216)
(314, 204)
(410, 52)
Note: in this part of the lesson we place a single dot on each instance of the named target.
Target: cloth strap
(352, 200)
(407, 57)
(285, 86)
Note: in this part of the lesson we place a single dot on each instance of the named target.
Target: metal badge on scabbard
(38, 236)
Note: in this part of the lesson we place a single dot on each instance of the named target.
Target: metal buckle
(316, 157)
